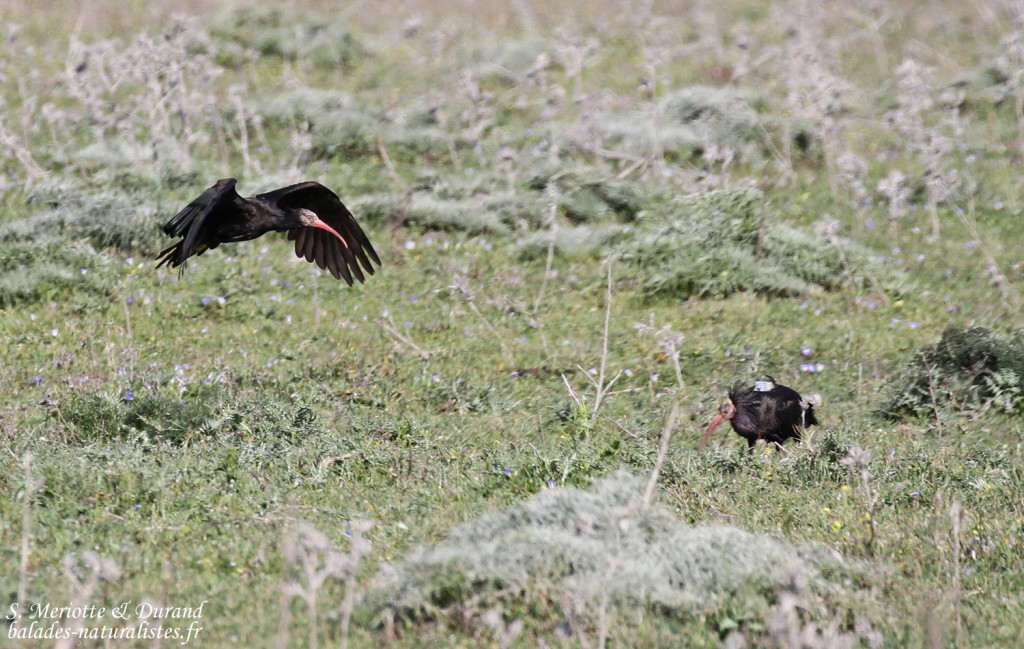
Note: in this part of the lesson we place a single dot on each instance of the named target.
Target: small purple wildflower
(129, 395)
(550, 483)
(204, 301)
(915, 494)
(508, 471)
(36, 379)
(806, 351)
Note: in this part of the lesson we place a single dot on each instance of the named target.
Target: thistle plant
(931, 144)
(857, 462)
(814, 91)
(310, 561)
(894, 188)
(84, 572)
(852, 170)
(1011, 60)
(573, 52)
(153, 93)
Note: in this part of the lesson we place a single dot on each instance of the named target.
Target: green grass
(185, 428)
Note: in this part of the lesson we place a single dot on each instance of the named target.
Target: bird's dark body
(766, 410)
(774, 416)
(323, 229)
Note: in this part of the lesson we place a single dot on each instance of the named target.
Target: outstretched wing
(192, 221)
(341, 258)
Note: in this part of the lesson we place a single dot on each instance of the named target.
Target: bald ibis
(323, 229)
(767, 410)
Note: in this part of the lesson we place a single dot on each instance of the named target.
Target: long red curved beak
(715, 423)
(323, 226)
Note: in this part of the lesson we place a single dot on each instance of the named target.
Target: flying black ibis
(767, 410)
(322, 228)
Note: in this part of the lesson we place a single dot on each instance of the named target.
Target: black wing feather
(356, 249)
(192, 222)
(337, 265)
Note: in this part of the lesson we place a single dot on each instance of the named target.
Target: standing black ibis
(322, 228)
(767, 410)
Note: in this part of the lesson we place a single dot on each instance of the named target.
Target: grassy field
(592, 223)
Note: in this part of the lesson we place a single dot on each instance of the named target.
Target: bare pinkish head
(725, 413)
(309, 219)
